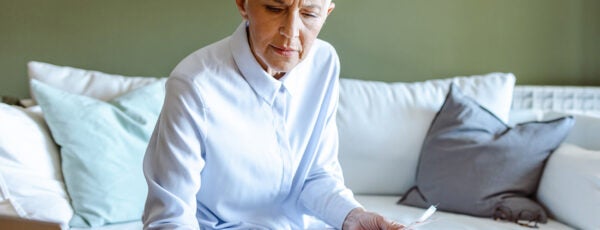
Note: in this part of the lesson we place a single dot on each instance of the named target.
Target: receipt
(424, 219)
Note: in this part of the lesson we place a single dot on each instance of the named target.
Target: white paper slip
(424, 217)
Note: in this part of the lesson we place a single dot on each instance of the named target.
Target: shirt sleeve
(324, 192)
(173, 159)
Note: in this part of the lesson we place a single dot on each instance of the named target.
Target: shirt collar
(290, 80)
(261, 82)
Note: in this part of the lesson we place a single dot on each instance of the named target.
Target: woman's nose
(290, 27)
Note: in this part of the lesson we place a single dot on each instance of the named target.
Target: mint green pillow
(102, 147)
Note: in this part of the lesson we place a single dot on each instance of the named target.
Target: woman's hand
(359, 219)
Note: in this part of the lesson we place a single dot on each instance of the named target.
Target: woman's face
(281, 32)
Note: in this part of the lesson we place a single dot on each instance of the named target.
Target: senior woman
(247, 137)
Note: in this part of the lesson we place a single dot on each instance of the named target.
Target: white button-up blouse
(236, 148)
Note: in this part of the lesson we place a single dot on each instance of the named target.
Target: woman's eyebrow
(307, 4)
(312, 7)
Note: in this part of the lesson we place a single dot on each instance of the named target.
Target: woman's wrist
(352, 219)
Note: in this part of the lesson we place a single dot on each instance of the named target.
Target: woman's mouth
(285, 51)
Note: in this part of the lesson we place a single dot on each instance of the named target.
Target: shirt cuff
(342, 209)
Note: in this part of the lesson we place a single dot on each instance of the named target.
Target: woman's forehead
(304, 3)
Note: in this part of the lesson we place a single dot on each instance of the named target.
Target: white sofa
(379, 153)
(382, 126)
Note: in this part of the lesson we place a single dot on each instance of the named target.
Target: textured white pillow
(570, 186)
(382, 125)
(30, 177)
(89, 83)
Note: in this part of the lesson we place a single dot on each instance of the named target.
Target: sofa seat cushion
(386, 206)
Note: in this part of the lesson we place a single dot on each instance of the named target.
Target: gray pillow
(472, 163)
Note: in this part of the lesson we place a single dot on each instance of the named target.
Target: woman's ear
(331, 7)
(241, 5)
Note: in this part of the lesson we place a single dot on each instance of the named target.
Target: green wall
(541, 41)
(591, 42)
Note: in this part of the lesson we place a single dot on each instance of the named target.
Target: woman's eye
(312, 15)
(274, 9)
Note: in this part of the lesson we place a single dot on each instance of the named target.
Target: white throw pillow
(30, 177)
(385, 124)
(89, 83)
(570, 186)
